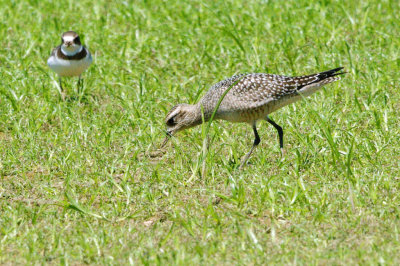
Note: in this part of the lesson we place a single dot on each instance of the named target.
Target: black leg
(61, 90)
(79, 84)
(255, 143)
(280, 131)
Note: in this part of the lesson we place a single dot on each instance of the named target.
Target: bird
(251, 98)
(70, 58)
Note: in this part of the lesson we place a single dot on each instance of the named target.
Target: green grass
(79, 180)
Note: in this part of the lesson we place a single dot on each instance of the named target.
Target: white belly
(69, 68)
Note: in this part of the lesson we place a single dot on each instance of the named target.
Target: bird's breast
(68, 68)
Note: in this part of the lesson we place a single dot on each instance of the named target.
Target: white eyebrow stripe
(68, 39)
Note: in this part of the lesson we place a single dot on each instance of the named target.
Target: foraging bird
(70, 58)
(251, 98)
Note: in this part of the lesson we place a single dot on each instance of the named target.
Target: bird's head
(70, 42)
(180, 117)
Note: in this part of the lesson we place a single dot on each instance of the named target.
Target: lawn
(84, 180)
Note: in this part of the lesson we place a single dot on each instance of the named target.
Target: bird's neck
(201, 113)
(71, 51)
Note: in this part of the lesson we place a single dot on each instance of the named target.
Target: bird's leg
(280, 132)
(61, 90)
(79, 83)
(256, 142)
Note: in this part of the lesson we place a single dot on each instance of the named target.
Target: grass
(80, 181)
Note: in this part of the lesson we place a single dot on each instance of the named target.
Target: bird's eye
(77, 40)
(171, 122)
(62, 40)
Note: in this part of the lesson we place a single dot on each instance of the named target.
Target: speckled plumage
(251, 97)
(256, 95)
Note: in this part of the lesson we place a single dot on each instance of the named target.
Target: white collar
(68, 53)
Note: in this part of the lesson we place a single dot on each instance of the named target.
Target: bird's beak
(167, 137)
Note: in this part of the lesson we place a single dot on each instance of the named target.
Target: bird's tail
(330, 75)
(318, 80)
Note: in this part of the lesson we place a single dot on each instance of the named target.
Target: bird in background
(70, 58)
(252, 97)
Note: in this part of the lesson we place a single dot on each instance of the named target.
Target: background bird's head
(70, 42)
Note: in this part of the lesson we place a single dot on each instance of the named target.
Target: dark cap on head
(71, 35)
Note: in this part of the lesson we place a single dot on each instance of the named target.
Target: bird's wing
(254, 90)
(54, 51)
